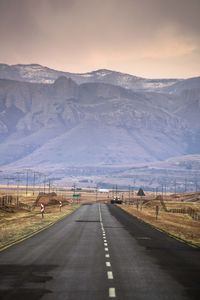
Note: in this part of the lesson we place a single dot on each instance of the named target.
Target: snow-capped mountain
(38, 74)
(70, 123)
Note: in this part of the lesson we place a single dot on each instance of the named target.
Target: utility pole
(8, 188)
(18, 180)
(26, 182)
(134, 188)
(185, 185)
(165, 188)
(45, 178)
(156, 191)
(49, 186)
(40, 185)
(175, 187)
(113, 192)
(196, 185)
(8, 182)
(1, 178)
(34, 174)
(74, 188)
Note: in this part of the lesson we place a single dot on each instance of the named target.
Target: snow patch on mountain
(39, 74)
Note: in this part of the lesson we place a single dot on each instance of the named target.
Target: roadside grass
(181, 226)
(21, 224)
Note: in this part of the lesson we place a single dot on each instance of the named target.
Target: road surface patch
(142, 238)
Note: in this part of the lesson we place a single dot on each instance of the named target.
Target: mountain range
(54, 119)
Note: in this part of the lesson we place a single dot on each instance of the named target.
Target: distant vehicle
(116, 200)
(103, 190)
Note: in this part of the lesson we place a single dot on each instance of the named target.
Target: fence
(7, 200)
(195, 215)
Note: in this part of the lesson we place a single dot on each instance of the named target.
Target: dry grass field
(19, 224)
(179, 225)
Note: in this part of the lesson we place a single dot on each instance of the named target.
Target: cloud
(79, 35)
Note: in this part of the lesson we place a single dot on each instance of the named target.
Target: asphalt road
(97, 253)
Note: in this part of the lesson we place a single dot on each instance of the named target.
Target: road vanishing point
(100, 252)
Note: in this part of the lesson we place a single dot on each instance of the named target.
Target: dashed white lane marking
(112, 293)
(110, 274)
(108, 264)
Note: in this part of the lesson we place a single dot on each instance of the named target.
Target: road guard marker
(42, 209)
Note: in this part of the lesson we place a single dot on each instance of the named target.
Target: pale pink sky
(149, 38)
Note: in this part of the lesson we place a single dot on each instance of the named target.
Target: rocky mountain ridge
(39, 74)
(66, 123)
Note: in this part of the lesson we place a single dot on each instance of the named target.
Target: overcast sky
(149, 38)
